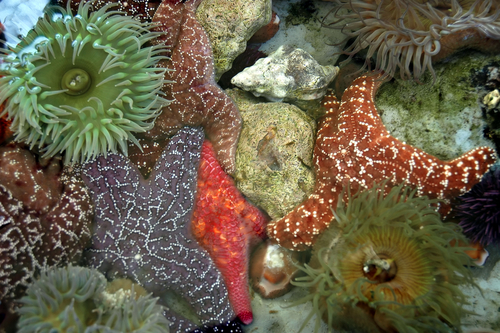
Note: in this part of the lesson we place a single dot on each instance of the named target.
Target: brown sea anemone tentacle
(410, 35)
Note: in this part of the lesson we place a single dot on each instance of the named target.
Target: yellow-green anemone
(75, 299)
(82, 83)
(386, 264)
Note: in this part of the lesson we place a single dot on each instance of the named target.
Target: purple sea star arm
(143, 229)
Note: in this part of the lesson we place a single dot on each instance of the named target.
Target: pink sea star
(353, 147)
(196, 98)
(45, 217)
(226, 225)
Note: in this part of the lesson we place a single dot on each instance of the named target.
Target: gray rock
(442, 118)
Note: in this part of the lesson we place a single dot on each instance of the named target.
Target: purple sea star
(143, 229)
(45, 217)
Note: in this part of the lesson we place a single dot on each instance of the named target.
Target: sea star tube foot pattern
(143, 229)
(196, 98)
(354, 148)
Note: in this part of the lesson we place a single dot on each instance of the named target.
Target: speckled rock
(445, 118)
(485, 305)
(290, 74)
(277, 316)
(229, 25)
(274, 156)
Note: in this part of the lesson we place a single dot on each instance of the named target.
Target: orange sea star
(353, 147)
(226, 225)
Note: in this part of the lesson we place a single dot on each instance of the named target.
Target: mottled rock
(290, 74)
(268, 31)
(230, 24)
(274, 155)
(445, 118)
(301, 26)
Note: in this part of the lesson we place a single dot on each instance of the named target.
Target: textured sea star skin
(353, 147)
(196, 98)
(45, 217)
(142, 10)
(226, 225)
(143, 229)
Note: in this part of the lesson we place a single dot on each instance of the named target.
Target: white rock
(19, 17)
(289, 74)
(484, 303)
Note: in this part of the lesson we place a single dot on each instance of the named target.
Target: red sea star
(196, 98)
(226, 225)
(353, 147)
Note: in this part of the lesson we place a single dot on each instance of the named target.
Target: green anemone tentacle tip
(83, 84)
(76, 299)
(388, 261)
(61, 298)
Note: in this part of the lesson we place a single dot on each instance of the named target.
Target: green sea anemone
(82, 83)
(388, 262)
(75, 299)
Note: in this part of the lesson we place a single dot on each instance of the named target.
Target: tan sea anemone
(411, 34)
(388, 266)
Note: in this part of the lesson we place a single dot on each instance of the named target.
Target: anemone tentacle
(389, 262)
(83, 83)
(79, 299)
(411, 34)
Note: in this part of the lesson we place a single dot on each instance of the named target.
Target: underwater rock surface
(445, 118)
(229, 25)
(274, 155)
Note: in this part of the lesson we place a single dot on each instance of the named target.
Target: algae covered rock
(274, 156)
(445, 118)
(229, 25)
